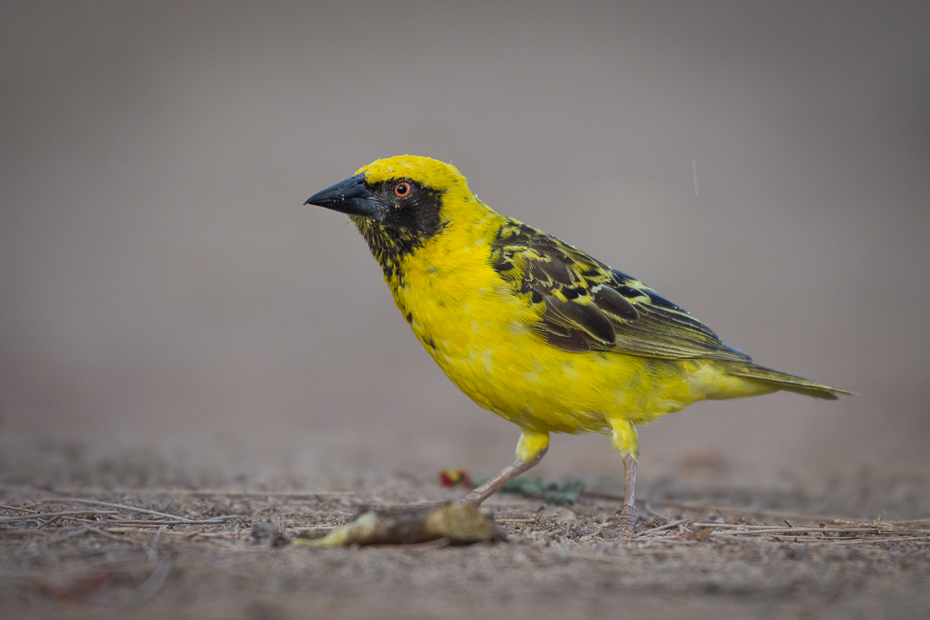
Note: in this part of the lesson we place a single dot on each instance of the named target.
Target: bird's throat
(389, 245)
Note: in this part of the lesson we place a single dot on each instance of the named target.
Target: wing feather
(585, 305)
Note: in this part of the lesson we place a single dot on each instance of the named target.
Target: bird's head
(399, 203)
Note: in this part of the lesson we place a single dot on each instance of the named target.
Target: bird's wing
(585, 305)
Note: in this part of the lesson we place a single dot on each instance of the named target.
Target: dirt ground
(123, 550)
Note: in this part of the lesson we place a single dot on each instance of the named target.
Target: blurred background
(764, 165)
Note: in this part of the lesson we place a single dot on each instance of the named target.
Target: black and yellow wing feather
(588, 306)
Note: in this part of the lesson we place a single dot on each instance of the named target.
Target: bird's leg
(628, 513)
(625, 440)
(510, 472)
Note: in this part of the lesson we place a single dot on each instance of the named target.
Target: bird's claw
(628, 520)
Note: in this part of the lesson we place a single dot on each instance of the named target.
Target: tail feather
(784, 381)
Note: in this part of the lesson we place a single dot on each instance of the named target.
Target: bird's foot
(628, 520)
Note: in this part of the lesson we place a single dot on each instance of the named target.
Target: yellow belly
(482, 337)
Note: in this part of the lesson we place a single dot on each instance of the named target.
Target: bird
(531, 328)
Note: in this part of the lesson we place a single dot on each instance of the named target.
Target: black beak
(350, 197)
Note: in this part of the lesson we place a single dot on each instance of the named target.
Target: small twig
(661, 528)
(732, 525)
(403, 504)
(142, 524)
(5, 507)
(139, 530)
(94, 502)
(192, 535)
(154, 522)
(55, 515)
(43, 524)
(507, 520)
(208, 493)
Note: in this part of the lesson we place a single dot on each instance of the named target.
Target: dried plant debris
(459, 523)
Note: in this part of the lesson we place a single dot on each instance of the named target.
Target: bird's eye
(402, 189)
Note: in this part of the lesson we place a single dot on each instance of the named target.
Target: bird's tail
(783, 380)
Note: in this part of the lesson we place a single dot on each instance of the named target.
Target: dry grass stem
(293, 495)
(661, 528)
(19, 508)
(94, 502)
(55, 515)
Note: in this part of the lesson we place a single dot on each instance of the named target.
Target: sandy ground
(557, 562)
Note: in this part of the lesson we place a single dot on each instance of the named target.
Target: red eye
(402, 189)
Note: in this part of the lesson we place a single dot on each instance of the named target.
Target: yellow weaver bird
(531, 328)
